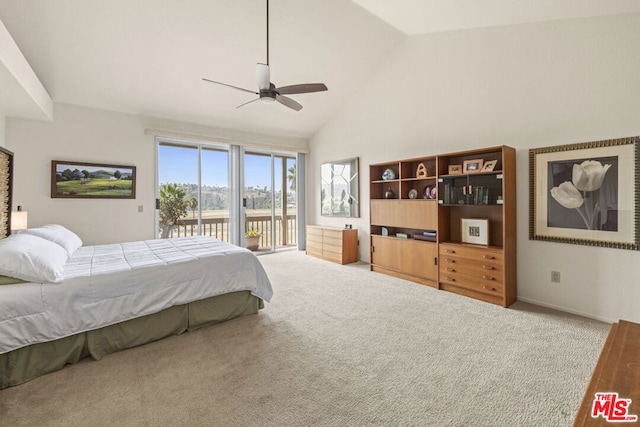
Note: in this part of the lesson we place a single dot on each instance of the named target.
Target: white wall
(3, 137)
(526, 86)
(83, 134)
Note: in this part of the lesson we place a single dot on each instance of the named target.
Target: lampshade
(18, 220)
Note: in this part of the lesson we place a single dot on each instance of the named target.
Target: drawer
(332, 248)
(314, 231)
(316, 252)
(332, 234)
(317, 246)
(472, 267)
(471, 253)
(334, 256)
(314, 238)
(332, 241)
(478, 284)
(484, 277)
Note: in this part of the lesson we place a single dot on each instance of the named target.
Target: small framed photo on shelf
(455, 169)
(489, 166)
(475, 230)
(472, 166)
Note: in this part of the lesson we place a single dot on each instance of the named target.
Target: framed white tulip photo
(586, 193)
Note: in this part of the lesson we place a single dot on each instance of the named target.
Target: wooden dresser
(475, 272)
(617, 371)
(333, 244)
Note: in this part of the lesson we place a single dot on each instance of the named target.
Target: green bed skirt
(27, 363)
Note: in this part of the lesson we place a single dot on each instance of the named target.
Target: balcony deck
(218, 227)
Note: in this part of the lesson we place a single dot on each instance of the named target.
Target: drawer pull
(450, 261)
(451, 270)
(488, 278)
(489, 288)
(488, 257)
(451, 279)
(488, 267)
(450, 251)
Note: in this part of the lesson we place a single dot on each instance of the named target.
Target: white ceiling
(148, 56)
(429, 16)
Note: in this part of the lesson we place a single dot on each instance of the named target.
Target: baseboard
(566, 310)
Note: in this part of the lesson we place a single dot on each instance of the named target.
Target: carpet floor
(337, 346)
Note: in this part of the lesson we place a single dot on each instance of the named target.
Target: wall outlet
(140, 208)
(555, 276)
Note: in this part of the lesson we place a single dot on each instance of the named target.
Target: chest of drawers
(475, 272)
(333, 244)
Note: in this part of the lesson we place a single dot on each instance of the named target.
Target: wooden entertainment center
(448, 221)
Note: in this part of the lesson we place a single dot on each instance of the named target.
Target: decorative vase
(389, 194)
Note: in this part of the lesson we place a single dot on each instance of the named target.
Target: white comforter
(108, 284)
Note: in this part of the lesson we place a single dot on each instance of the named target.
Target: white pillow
(31, 258)
(57, 234)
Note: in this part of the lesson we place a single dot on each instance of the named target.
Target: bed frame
(24, 364)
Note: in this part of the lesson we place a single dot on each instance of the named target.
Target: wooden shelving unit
(410, 211)
(415, 204)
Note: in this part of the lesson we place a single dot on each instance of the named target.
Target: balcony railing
(285, 231)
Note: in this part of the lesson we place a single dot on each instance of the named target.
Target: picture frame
(455, 169)
(475, 231)
(586, 193)
(472, 166)
(88, 180)
(489, 166)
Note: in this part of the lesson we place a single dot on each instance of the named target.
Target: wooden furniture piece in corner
(404, 205)
(333, 244)
(617, 371)
(409, 202)
(485, 272)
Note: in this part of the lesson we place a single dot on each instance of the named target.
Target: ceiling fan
(267, 91)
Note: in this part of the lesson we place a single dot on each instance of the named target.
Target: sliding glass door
(193, 189)
(270, 199)
(202, 192)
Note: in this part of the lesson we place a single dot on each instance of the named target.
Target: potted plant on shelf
(252, 238)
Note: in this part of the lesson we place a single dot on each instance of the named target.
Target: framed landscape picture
(92, 180)
(586, 193)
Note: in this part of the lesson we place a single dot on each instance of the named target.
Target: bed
(61, 302)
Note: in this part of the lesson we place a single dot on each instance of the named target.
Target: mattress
(108, 284)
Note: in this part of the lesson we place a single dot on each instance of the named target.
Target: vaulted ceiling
(148, 56)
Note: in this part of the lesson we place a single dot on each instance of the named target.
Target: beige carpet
(338, 346)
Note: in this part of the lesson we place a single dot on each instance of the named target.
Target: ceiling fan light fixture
(267, 98)
(268, 93)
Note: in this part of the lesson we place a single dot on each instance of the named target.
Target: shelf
(457, 205)
(426, 178)
(385, 181)
(493, 172)
(486, 194)
(470, 245)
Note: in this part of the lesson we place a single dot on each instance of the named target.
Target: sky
(180, 165)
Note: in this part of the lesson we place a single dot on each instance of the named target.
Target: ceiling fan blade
(301, 88)
(288, 102)
(263, 76)
(249, 102)
(234, 87)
